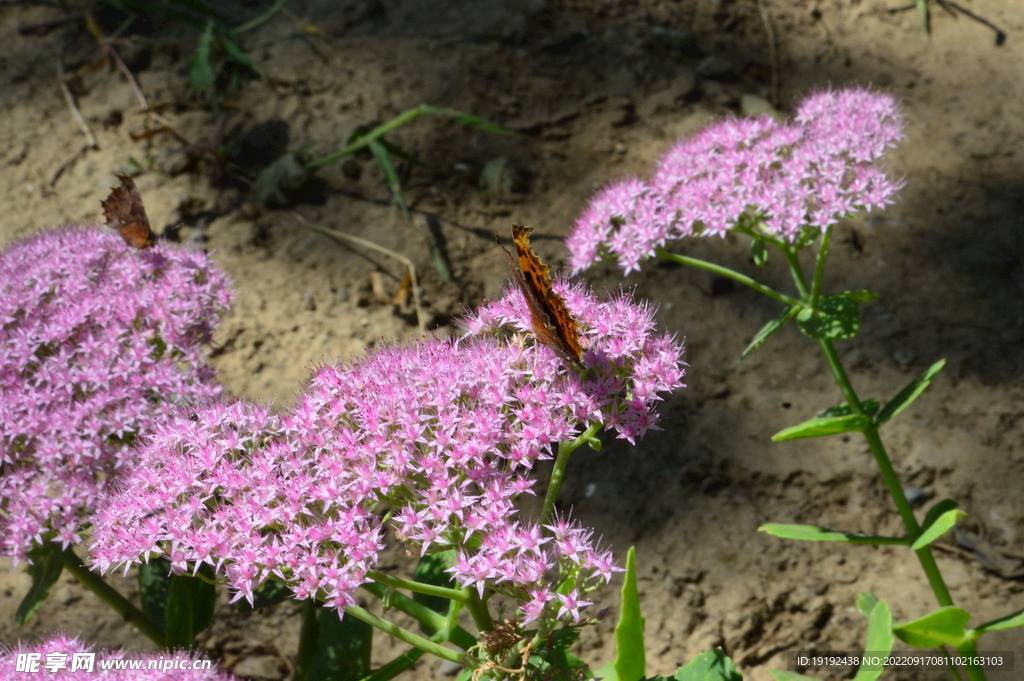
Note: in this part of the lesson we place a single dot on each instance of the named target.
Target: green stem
(309, 639)
(404, 635)
(819, 266)
(809, 298)
(728, 273)
(558, 472)
(417, 587)
(477, 608)
(798, 272)
(924, 555)
(109, 595)
(431, 621)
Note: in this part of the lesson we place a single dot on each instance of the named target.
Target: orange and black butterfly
(126, 215)
(552, 323)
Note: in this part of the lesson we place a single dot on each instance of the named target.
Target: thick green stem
(728, 273)
(477, 608)
(417, 587)
(565, 449)
(309, 639)
(109, 595)
(404, 635)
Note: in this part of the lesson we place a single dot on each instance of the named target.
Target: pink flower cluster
(97, 343)
(779, 178)
(442, 432)
(58, 655)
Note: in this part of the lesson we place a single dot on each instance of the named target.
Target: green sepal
(939, 519)
(814, 533)
(946, 625)
(1008, 622)
(770, 328)
(820, 427)
(630, 663)
(190, 603)
(906, 396)
(47, 564)
(837, 316)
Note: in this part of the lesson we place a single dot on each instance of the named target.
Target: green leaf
(190, 602)
(714, 665)
(869, 407)
(783, 675)
(939, 519)
(813, 533)
(235, 54)
(594, 442)
(380, 154)
(154, 586)
(343, 648)
(944, 626)
(47, 564)
(554, 661)
(431, 570)
(469, 120)
(200, 72)
(879, 640)
(770, 328)
(837, 318)
(630, 660)
(904, 397)
(1008, 622)
(865, 603)
(759, 252)
(820, 427)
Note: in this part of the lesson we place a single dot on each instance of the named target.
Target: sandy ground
(598, 90)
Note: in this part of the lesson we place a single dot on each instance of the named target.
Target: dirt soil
(598, 90)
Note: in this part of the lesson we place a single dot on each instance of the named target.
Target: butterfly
(125, 214)
(552, 324)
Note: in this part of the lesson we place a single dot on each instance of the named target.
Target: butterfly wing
(126, 215)
(552, 323)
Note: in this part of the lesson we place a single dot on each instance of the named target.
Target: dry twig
(348, 238)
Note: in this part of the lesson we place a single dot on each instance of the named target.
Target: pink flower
(98, 342)
(778, 178)
(69, 659)
(444, 432)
